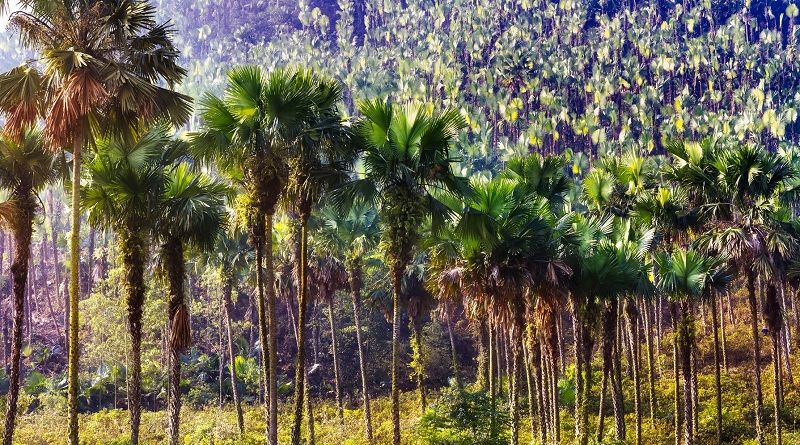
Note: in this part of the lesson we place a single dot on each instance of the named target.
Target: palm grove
(551, 275)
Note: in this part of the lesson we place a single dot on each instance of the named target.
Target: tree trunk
(492, 379)
(759, 407)
(22, 229)
(272, 373)
(74, 296)
(258, 241)
(541, 398)
(355, 291)
(673, 310)
(397, 277)
(724, 336)
(227, 289)
(778, 384)
(335, 350)
(300, 363)
(717, 378)
(651, 371)
(633, 320)
(685, 336)
(179, 329)
(134, 256)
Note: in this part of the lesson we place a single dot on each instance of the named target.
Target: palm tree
(104, 67)
(192, 213)
(126, 186)
(247, 134)
(406, 152)
(685, 275)
(740, 198)
(352, 236)
(320, 158)
(26, 167)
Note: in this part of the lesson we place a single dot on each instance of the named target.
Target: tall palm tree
(406, 152)
(104, 67)
(191, 214)
(741, 198)
(247, 134)
(320, 158)
(685, 275)
(126, 184)
(26, 167)
(352, 236)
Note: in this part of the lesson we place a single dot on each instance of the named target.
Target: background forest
(608, 252)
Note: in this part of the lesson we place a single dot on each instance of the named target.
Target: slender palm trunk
(717, 376)
(777, 384)
(397, 276)
(355, 291)
(526, 356)
(633, 320)
(651, 371)
(675, 376)
(492, 380)
(335, 350)
(134, 255)
(272, 373)
(257, 239)
(23, 229)
(724, 346)
(227, 289)
(74, 296)
(300, 363)
(179, 338)
(685, 336)
(759, 398)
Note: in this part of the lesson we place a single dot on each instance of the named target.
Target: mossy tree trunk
(74, 296)
(180, 335)
(300, 362)
(133, 246)
(22, 228)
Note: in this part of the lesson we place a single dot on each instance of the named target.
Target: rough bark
(397, 276)
(74, 297)
(22, 229)
(134, 256)
(300, 362)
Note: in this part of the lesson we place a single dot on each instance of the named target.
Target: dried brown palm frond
(181, 336)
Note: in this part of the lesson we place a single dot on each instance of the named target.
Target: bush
(462, 417)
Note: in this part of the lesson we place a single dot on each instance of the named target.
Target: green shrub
(462, 417)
